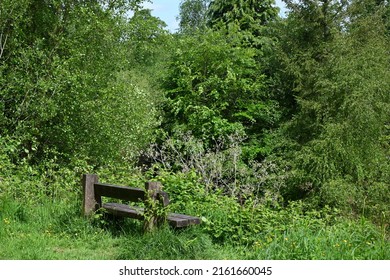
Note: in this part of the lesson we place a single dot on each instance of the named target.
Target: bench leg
(152, 205)
(89, 201)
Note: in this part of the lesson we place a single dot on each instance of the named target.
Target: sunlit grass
(345, 240)
(56, 231)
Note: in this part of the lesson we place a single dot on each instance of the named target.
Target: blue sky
(168, 10)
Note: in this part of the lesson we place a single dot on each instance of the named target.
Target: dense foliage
(339, 77)
(65, 86)
(217, 89)
(270, 128)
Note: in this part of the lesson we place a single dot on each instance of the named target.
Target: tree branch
(2, 44)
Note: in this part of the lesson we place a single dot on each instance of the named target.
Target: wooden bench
(93, 191)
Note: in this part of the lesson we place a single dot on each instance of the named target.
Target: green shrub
(238, 221)
(341, 194)
(376, 203)
(353, 200)
(219, 168)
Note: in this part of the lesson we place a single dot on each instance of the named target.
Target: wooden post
(89, 201)
(153, 206)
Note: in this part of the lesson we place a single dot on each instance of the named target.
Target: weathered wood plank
(152, 203)
(174, 219)
(89, 201)
(181, 220)
(119, 192)
(124, 210)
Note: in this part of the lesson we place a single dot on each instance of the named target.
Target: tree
(193, 15)
(248, 15)
(305, 39)
(337, 66)
(145, 37)
(62, 62)
(215, 88)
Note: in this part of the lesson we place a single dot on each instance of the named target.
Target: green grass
(55, 230)
(50, 231)
(345, 240)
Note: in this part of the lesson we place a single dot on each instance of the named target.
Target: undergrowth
(37, 222)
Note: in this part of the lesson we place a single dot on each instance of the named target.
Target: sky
(168, 10)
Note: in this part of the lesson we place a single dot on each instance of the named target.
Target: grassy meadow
(52, 228)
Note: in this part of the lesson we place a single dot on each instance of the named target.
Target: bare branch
(2, 44)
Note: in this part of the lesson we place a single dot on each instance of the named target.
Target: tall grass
(37, 222)
(54, 230)
(345, 240)
(51, 230)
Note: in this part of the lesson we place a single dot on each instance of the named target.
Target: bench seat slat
(124, 210)
(181, 220)
(175, 220)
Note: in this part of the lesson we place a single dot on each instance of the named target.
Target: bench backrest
(93, 191)
(119, 192)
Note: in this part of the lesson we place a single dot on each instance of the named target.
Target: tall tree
(193, 15)
(249, 15)
(251, 18)
(145, 36)
(339, 80)
(61, 61)
(215, 88)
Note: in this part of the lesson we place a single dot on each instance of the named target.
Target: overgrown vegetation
(275, 131)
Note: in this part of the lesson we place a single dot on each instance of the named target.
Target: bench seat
(175, 220)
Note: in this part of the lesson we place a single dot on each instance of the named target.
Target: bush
(221, 167)
(371, 202)
(237, 221)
